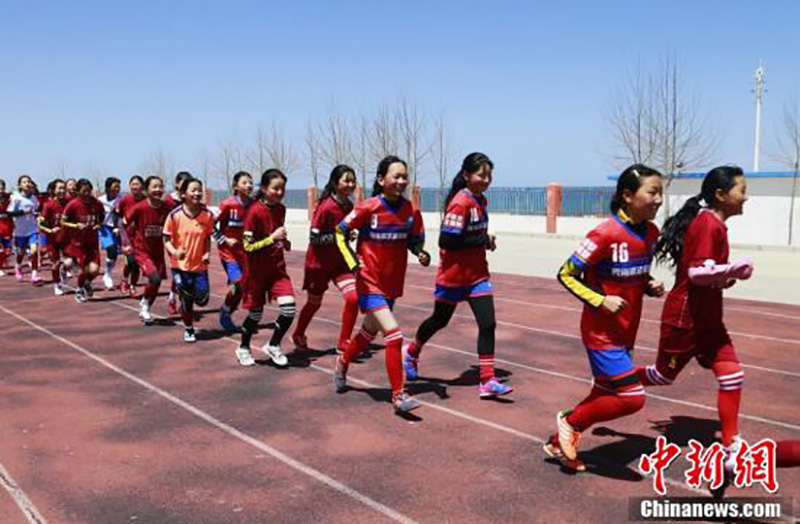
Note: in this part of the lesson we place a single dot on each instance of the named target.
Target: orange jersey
(192, 235)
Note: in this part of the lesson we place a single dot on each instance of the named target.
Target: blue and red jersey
(232, 211)
(467, 217)
(385, 232)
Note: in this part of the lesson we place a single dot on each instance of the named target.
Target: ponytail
(383, 168)
(472, 163)
(333, 181)
(630, 180)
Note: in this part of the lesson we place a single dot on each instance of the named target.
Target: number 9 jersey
(614, 259)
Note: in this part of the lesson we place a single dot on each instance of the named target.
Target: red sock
(35, 262)
(394, 359)
(414, 348)
(311, 306)
(349, 316)
(358, 344)
(233, 298)
(788, 454)
(731, 379)
(486, 363)
(55, 271)
(602, 405)
(651, 376)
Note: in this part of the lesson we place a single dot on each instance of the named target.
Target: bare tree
(384, 138)
(413, 123)
(96, 175)
(228, 161)
(789, 151)
(280, 152)
(654, 121)
(156, 162)
(313, 152)
(257, 158)
(440, 155)
(361, 148)
(335, 138)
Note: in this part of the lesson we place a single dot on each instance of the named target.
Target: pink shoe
(18, 273)
(36, 280)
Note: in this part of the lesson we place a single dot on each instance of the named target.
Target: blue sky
(98, 86)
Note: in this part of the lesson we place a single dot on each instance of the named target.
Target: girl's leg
(393, 339)
(359, 343)
(347, 286)
(286, 312)
(442, 313)
(788, 454)
(250, 326)
(111, 261)
(483, 309)
(312, 305)
(731, 380)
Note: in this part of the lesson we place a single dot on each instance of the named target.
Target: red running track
(105, 420)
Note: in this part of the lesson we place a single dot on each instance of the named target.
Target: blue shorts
(23, 243)
(233, 270)
(41, 239)
(192, 285)
(613, 367)
(108, 238)
(369, 303)
(5, 243)
(454, 295)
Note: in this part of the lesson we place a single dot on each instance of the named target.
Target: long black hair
(135, 177)
(383, 168)
(630, 179)
(472, 162)
(110, 181)
(266, 178)
(333, 181)
(670, 244)
(81, 183)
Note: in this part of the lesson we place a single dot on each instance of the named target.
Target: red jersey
(327, 216)
(89, 212)
(173, 200)
(616, 260)
(465, 215)
(688, 305)
(231, 224)
(147, 224)
(260, 222)
(51, 215)
(6, 222)
(384, 234)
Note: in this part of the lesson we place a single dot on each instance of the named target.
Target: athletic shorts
(85, 255)
(374, 302)
(22, 244)
(6, 244)
(56, 251)
(41, 239)
(234, 271)
(257, 290)
(108, 238)
(454, 295)
(316, 281)
(677, 346)
(148, 266)
(192, 284)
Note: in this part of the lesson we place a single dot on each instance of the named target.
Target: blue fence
(576, 201)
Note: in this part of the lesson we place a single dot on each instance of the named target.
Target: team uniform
(463, 275)
(6, 230)
(386, 231)
(57, 242)
(265, 277)
(324, 264)
(23, 209)
(230, 225)
(41, 237)
(146, 222)
(130, 274)
(173, 201)
(692, 325)
(109, 238)
(614, 259)
(192, 234)
(83, 246)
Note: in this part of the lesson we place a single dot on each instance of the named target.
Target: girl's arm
(712, 274)
(571, 277)
(591, 251)
(251, 245)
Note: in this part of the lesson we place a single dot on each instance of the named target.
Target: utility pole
(759, 91)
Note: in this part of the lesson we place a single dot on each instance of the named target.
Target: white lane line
(28, 508)
(232, 431)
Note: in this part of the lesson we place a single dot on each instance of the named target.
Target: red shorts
(316, 280)
(56, 251)
(256, 290)
(84, 255)
(148, 266)
(677, 346)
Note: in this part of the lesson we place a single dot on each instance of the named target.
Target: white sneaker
(274, 352)
(245, 357)
(144, 312)
(2, 273)
(189, 336)
(58, 290)
(730, 454)
(108, 282)
(568, 438)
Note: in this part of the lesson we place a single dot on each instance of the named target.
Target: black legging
(482, 308)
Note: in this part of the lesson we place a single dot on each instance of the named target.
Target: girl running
(57, 236)
(187, 239)
(84, 215)
(109, 231)
(72, 189)
(324, 262)
(265, 276)
(463, 273)
(6, 228)
(172, 201)
(145, 221)
(130, 273)
(610, 274)
(230, 224)
(387, 226)
(695, 242)
(23, 209)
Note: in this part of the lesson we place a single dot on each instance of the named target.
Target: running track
(104, 420)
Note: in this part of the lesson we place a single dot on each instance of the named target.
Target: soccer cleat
(18, 273)
(144, 312)
(300, 341)
(493, 388)
(226, 322)
(189, 336)
(80, 296)
(36, 279)
(58, 289)
(410, 363)
(731, 451)
(172, 304)
(274, 353)
(568, 438)
(245, 357)
(340, 375)
(108, 282)
(553, 449)
(403, 402)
